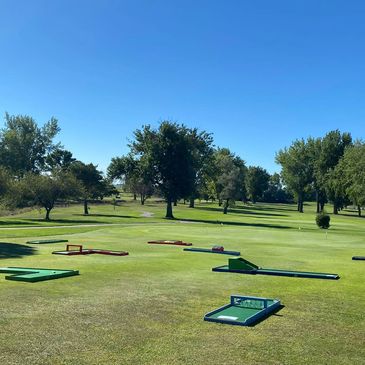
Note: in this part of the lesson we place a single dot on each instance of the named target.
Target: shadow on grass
(274, 313)
(242, 210)
(67, 221)
(228, 223)
(14, 250)
(104, 215)
(13, 222)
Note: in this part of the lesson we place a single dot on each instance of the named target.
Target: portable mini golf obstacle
(214, 249)
(80, 251)
(241, 266)
(46, 241)
(166, 242)
(243, 310)
(32, 275)
(358, 257)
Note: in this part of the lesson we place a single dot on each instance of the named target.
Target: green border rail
(241, 266)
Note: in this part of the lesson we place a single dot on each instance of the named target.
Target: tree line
(176, 163)
(332, 169)
(35, 171)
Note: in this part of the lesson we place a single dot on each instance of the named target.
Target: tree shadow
(242, 210)
(274, 313)
(68, 221)
(15, 250)
(229, 223)
(13, 222)
(104, 215)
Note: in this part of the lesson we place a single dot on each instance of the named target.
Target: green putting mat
(243, 310)
(33, 274)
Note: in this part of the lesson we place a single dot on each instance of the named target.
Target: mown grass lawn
(148, 307)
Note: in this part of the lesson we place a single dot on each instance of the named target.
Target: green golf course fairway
(148, 307)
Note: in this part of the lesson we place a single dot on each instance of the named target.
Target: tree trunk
(191, 203)
(359, 210)
(322, 206)
(220, 202)
(335, 209)
(134, 196)
(175, 202)
(86, 208)
(300, 202)
(48, 210)
(225, 208)
(317, 201)
(169, 209)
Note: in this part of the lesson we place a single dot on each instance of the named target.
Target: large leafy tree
(45, 190)
(59, 160)
(93, 184)
(352, 170)
(135, 175)
(202, 150)
(332, 148)
(24, 146)
(296, 172)
(229, 176)
(169, 153)
(257, 181)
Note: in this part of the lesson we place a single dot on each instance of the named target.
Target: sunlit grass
(148, 307)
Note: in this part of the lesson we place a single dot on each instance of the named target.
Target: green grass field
(148, 307)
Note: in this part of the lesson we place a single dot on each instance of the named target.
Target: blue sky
(257, 74)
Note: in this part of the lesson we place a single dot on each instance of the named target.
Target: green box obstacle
(241, 266)
(33, 275)
(358, 257)
(46, 241)
(243, 310)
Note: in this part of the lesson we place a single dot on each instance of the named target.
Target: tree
(59, 160)
(332, 148)
(257, 181)
(296, 171)
(135, 175)
(228, 177)
(93, 184)
(170, 156)
(275, 192)
(352, 166)
(45, 190)
(201, 148)
(24, 146)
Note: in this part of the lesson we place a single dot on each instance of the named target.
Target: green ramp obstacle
(242, 266)
(243, 310)
(32, 275)
(358, 257)
(46, 241)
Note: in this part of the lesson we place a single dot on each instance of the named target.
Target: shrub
(323, 220)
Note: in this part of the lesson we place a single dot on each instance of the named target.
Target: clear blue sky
(257, 74)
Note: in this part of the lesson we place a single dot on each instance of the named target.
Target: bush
(323, 220)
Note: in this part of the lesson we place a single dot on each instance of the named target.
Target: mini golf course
(241, 266)
(81, 251)
(33, 275)
(243, 310)
(218, 250)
